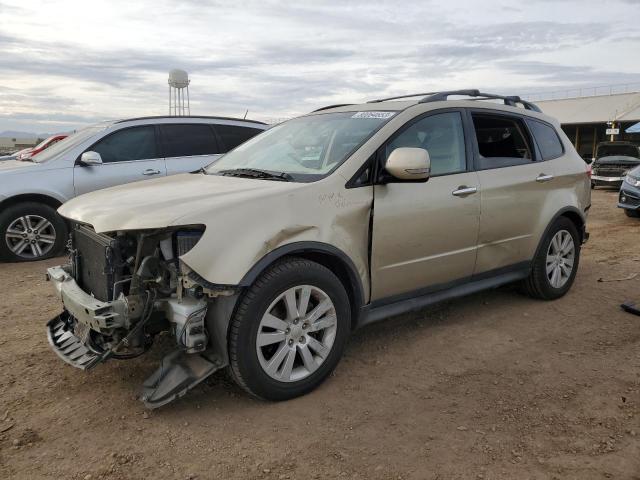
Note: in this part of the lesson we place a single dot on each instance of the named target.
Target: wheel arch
(32, 197)
(571, 213)
(327, 255)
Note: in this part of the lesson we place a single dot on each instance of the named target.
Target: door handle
(151, 171)
(543, 177)
(463, 191)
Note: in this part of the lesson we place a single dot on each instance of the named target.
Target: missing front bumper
(98, 315)
(75, 336)
(68, 346)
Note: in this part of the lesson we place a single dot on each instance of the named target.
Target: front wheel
(289, 330)
(31, 231)
(556, 263)
(632, 213)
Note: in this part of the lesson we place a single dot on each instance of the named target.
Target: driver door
(128, 155)
(425, 235)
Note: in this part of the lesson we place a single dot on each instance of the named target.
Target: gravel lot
(494, 385)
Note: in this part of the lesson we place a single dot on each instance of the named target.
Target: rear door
(514, 183)
(128, 155)
(188, 146)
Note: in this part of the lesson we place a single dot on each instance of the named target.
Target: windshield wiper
(257, 173)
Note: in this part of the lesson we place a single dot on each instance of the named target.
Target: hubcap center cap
(296, 331)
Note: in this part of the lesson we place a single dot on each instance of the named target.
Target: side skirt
(417, 300)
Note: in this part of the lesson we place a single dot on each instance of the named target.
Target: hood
(170, 201)
(15, 165)
(617, 159)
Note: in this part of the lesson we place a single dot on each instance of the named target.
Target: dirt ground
(491, 386)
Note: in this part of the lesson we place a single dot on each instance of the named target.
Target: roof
(187, 117)
(624, 107)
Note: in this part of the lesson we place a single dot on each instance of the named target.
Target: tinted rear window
(232, 135)
(547, 140)
(188, 140)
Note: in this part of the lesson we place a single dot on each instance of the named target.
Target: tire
(249, 362)
(632, 213)
(17, 232)
(539, 284)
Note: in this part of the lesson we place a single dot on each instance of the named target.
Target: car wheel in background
(31, 231)
(632, 213)
(289, 330)
(556, 263)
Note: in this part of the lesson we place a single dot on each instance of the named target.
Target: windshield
(305, 148)
(68, 143)
(43, 143)
(617, 151)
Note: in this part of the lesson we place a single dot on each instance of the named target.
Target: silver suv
(103, 155)
(265, 261)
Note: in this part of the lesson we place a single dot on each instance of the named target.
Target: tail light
(589, 171)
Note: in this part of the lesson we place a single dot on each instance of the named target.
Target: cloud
(278, 59)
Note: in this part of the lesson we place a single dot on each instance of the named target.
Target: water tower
(178, 83)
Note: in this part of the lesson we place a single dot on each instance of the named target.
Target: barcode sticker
(381, 115)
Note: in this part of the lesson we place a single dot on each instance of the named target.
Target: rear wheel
(632, 213)
(556, 263)
(31, 231)
(289, 330)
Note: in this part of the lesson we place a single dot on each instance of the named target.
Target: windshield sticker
(381, 115)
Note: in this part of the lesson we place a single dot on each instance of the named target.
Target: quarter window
(502, 141)
(134, 143)
(547, 140)
(442, 135)
(188, 140)
(233, 135)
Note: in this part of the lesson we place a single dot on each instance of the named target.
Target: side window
(233, 135)
(134, 143)
(187, 140)
(442, 135)
(502, 141)
(547, 139)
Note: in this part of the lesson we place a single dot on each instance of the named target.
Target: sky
(65, 64)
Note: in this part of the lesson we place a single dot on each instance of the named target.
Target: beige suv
(266, 260)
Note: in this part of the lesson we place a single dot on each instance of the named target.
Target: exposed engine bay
(121, 290)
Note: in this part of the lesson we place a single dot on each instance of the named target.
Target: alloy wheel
(560, 258)
(30, 236)
(296, 333)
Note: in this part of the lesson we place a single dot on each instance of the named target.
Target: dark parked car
(629, 198)
(612, 162)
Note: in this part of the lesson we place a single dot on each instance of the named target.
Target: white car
(103, 155)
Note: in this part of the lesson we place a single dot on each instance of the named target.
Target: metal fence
(583, 92)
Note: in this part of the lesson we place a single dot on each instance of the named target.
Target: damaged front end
(121, 290)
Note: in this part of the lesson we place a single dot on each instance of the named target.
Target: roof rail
(332, 106)
(511, 100)
(400, 97)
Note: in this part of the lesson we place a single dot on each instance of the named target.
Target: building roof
(624, 107)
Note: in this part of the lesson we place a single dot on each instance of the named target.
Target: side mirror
(409, 164)
(90, 158)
